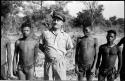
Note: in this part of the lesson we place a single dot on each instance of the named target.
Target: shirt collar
(61, 31)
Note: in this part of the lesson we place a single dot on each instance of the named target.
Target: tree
(92, 15)
(113, 20)
(108, 23)
(9, 11)
(94, 10)
(120, 21)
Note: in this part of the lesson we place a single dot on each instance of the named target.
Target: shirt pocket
(62, 43)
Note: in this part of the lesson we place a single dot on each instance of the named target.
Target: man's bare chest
(107, 51)
(26, 45)
(87, 43)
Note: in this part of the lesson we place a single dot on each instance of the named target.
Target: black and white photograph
(62, 40)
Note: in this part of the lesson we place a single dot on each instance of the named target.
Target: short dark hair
(112, 31)
(26, 25)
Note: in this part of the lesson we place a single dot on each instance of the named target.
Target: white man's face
(57, 23)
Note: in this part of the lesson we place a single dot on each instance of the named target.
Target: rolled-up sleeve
(69, 43)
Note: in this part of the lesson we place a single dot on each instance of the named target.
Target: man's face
(87, 31)
(110, 37)
(26, 31)
(57, 23)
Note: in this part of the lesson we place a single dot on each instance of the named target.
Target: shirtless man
(26, 47)
(5, 46)
(122, 72)
(109, 52)
(86, 54)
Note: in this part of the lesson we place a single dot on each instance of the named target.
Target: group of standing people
(89, 61)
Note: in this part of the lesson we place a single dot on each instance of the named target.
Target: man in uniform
(86, 54)
(27, 48)
(109, 52)
(122, 72)
(55, 43)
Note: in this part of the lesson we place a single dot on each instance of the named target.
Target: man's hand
(116, 74)
(93, 70)
(76, 69)
(96, 72)
(15, 70)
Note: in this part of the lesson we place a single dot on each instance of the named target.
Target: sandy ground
(39, 70)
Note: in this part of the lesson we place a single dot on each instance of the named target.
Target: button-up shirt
(56, 45)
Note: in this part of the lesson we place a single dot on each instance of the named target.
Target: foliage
(40, 18)
(120, 21)
(113, 20)
(90, 16)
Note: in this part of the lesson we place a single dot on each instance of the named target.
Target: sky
(111, 8)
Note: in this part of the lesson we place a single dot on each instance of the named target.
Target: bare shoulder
(35, 40)
(18, 41)
(79, 39)
(102, 46)
(118, 48)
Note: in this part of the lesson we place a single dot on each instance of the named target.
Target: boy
(26, 47)
(86, 52)
(109, 52)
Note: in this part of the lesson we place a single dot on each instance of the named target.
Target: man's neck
(110, 44)
(88, 36)
(55, 31)
(27, 38)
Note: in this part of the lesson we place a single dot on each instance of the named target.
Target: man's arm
(119, 59)
(15, 56)
(121, 42)
(96, 52)
(9, 57)
(36, 49)
(77, 55)
(77, 52)
(69, 43)
(99, 58)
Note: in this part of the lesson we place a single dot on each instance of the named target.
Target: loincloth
(85, 69)
(107, 71)
(25, 69)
